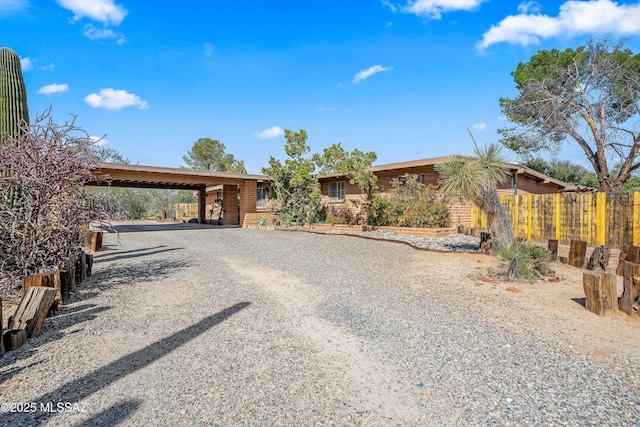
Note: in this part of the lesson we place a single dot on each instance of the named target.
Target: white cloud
(501, 118)
(53, 89)
(364, 74)
(271, 132)
(209, 49)
(98, 140)
(112, 99)
(96, 34)
(49, 67)
(105, 11)
(26, 64)
(575, 18)
(529, 7)
(325, 109)
(480, 126)
(390, 5)
(10, 7)
(433, 9)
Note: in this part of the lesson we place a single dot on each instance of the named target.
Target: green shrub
(409, 204)
(262, 221)
(526, 260)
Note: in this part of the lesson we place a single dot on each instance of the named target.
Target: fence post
(636, 219)
(516, 209)
(601, 219)
(529, 217)
(558, 216)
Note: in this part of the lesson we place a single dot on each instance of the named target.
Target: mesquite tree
(43, 203)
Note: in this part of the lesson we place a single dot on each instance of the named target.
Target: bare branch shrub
(43, 202)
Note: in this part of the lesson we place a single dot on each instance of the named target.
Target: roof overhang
(140, 176)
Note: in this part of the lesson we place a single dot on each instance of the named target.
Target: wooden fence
(598, 218)
(189, 210)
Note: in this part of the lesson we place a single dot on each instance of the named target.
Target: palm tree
(475, 179)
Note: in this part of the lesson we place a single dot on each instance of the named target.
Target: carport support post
(248, 198)
(202, 203)
(230, 204)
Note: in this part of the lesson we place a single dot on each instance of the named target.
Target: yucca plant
(526, 260)
(476, 179)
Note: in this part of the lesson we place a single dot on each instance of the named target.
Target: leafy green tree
(565, 171)
(476, 179)
(589, 95)
(297, 191)
(355, 165)
(209, 154)
(108, 154)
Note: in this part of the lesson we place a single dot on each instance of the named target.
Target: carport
(233, 184)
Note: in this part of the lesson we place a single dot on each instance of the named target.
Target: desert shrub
(262, 221)
(526, 260)
(410, 204)
(341, 214)
(43, 199)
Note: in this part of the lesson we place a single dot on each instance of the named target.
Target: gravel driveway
(215, 326)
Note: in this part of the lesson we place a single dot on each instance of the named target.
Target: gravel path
(204, 326)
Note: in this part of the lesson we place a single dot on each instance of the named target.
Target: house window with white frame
(336, 191)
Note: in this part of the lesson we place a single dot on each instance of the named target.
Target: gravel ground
(214, 326)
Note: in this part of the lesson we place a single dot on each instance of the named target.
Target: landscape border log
(629, 299)
(14, 338)
(33, 309)
(601, 294)
(1, 330)
(83, 265)
(599, 258)
(46, 280)
(69, 264)
(577, 253)
(628, 253)
(89, 263)
(96, 241)
(485, 241)
(65, 284)
(553, 248)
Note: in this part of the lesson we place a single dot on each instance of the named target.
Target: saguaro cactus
(13, 94)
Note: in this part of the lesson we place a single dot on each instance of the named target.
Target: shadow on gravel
(581, 301)
(103, 255)
(114, 415)
(124, 255)
(51, 331)
(77, 390)
(132, 274)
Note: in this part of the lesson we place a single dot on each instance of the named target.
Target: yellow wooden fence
(598, 218)
(189, 210)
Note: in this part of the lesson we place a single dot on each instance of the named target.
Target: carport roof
(141, 176)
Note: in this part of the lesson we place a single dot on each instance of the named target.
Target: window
(421, 178)
(336, 190)
(261, 197)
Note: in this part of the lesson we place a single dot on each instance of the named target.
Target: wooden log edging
(629, 301)
(1, 330)
(601, 296)
(577, 253)
(32, 310)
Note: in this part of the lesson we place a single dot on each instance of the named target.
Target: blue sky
(402, 78)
